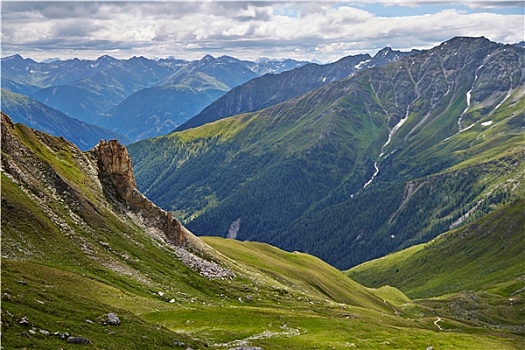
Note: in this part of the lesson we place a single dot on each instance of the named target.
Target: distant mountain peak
(18, 59)
(207, 58)
(106, 57)
(464, 40)
(384, 51)
(14, 57)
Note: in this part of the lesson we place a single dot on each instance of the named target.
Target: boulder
(24, 321)
(113, 319)
(78, 340)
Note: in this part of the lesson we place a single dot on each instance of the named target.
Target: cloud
(324, 31)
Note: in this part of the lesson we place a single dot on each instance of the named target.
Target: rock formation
(234, 229)
(116, 168)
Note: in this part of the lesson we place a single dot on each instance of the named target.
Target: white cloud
(324, 31)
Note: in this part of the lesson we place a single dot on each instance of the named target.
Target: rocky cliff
(116, 172)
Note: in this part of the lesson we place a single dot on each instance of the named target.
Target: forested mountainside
(100, 91)
(385, 159)
(86, 259)
(37, 115)
(272, 89)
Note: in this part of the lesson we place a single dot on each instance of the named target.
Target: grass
(475, 257)
(473, 275)
(317, 328)
(298, 272)
(59, 301)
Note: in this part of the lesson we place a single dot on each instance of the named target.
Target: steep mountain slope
(87, 259)
(271, 89)
(385, 159)
(486, 254)
(23, 109)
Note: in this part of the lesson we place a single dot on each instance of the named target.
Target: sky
(322, 31)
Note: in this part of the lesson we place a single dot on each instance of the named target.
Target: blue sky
(393, 9)
(306, 30)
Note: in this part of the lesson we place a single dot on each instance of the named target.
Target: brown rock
(116, 167)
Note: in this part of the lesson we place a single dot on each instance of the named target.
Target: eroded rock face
(115, 162)
(116, 167)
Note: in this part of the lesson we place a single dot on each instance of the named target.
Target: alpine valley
(382, 160)
(371, 203)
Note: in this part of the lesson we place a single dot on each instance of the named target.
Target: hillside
(272, 89)
(473, 273)
(23, 109)
(380, 161)
(487, 254)
(87, 259)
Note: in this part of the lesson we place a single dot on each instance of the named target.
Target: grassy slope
(298, 272)
(59, 278)
(480, 256)
(474, 274)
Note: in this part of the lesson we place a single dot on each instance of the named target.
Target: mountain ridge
(88, 89)
(272, 89)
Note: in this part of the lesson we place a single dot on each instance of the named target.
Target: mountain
(487, 254)
(272, 89)
(265, 65)
(159, 109)
(17, 74)
(387, 158)
(87, 259)
(23, 109)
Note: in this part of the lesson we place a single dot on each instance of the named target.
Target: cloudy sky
(308, 30)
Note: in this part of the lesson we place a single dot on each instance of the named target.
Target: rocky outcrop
(116, 170)
(78, 192)
(116, 175)
(234, 229)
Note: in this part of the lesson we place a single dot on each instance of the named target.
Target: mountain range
(102, 91)
(272, 89)
(88, 261)
(387, 158)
